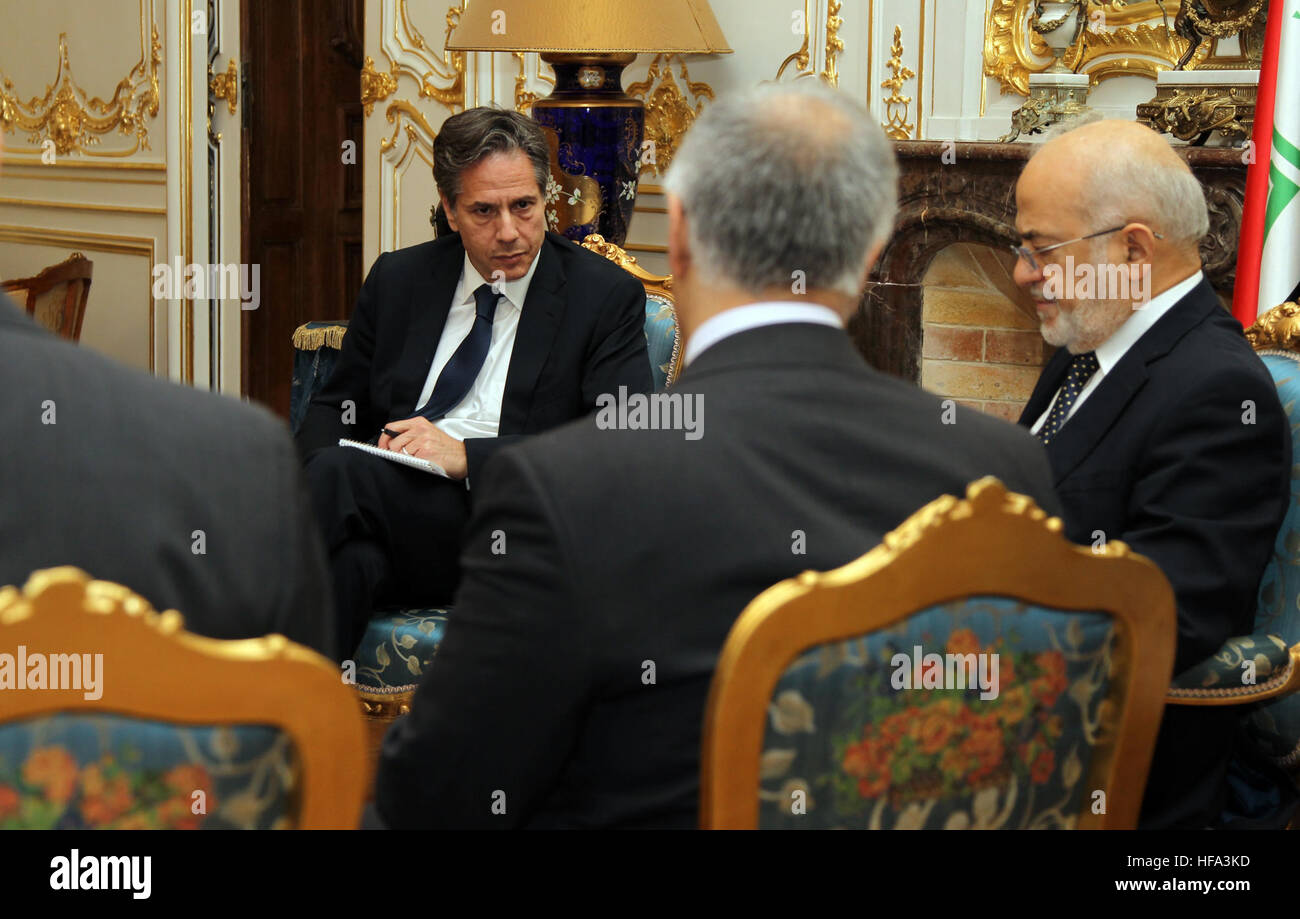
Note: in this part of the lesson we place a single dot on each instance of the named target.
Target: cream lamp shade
(585, 26)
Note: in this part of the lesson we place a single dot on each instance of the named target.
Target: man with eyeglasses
(1162, 427)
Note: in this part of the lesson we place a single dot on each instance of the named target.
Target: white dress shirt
(1122, 339)
(479, 413)
(753, 316)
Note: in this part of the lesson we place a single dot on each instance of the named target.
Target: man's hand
(418, 437)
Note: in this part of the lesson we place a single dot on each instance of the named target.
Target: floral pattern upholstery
(844, 748)
(1223, 674)
(1277, 722)
(109, 771)
(662, 339)
(397, 648)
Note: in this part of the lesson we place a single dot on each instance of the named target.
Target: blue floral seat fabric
(1223, 673)
(845, 748)
(108, 771)
(315, 351)
(661, 338)
(1277, 723)
(397, 648)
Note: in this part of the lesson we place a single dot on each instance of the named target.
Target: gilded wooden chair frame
(661, 285)
(75, 271)
(1276, 332)
(154, 669)
(993, 542)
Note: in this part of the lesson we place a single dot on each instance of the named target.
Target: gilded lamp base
(1053, 98)
(599, 130)
(1194, 105)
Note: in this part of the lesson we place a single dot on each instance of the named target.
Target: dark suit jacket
(581, 333)
(1161, 456)
(131, 467)
(624, 547)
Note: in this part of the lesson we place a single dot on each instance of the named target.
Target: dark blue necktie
(462, 370)
(1082, 367)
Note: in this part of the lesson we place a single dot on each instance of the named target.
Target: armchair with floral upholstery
(399, 644)
(115, 717)
(1262, 670)
(1039, 708)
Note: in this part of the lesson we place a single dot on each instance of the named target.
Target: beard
(1087, 322)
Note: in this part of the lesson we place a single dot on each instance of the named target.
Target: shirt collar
(756, 315)
(515, 291)
(1144, 317)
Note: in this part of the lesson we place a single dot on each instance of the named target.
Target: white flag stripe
(1279, 272)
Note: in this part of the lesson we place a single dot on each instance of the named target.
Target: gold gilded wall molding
(1122, 38)
(75, 120)
(896, 124)
(668, 113)
(834, 44)
(376, 86)
(225, 85)
(524, 97)
(440, 76)
(86, 206)
(802, 59)
(419, 130)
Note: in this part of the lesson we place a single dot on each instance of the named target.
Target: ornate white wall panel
(88, 105)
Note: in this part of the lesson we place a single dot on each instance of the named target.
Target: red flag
(1245, 304)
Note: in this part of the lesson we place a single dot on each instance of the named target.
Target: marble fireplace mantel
(972, 200)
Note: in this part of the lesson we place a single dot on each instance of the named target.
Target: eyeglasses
(1028, 254)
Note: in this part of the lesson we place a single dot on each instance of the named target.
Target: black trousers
(393, 535)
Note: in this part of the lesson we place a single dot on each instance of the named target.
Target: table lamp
(595, 128)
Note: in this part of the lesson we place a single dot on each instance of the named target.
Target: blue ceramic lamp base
(599, 130)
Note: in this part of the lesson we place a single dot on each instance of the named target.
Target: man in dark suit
(191, 500)
(1163, 428)
(569, 690)
(457, 347)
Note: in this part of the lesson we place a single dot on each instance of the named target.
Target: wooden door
(302, 204)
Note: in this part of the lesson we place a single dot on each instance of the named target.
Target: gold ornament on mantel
(1122, 37)
(72, 120)
(896, 125)
(1193, 115)
(668, 114)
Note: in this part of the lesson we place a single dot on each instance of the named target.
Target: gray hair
(786, 178)
(474, 134)
(1121, 187)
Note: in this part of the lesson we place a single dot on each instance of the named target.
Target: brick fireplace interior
(980, 343)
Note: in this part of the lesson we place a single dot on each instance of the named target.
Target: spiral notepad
(414, 462)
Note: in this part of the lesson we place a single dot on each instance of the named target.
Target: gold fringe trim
(305, 339)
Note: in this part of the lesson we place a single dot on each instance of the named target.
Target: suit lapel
(1082, 432)
(431, 295)
(1094, 417)
(1049, 381)
(539, 320)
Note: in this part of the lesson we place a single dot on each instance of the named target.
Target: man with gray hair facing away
(1163, 428)
(630, 547)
